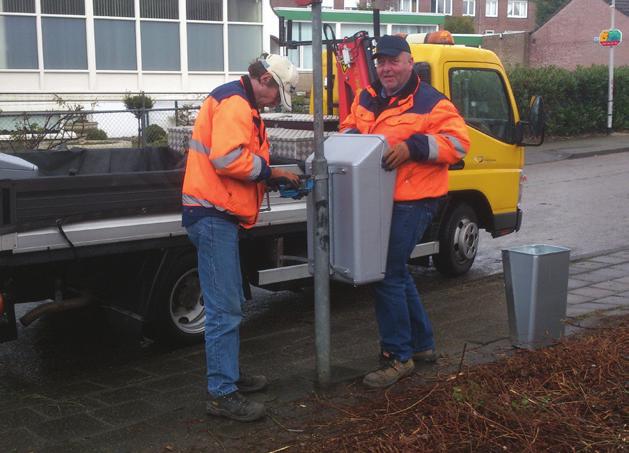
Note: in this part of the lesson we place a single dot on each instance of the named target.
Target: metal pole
(322, 226)
(610, 88)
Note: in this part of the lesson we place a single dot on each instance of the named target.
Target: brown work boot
(391, 371)
(427, 356)
(235, 406)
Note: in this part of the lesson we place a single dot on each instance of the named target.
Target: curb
(577, 155)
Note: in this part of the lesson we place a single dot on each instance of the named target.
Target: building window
(244, 10)
(441, 6)
(18, 42)
(115, 44)
(205, 47)
(245, 45)
(327, 4)
(490, 32)
(64, 43)
(480, 96)
(409, 29)
(159, 9)
(351, 4)
(160, 46)
(302, 56)
(491, 8)
(65, 7)
(17, 6)
(114, 8)
(204, 10)
(517, 8)
(469, 7)
(409, 6)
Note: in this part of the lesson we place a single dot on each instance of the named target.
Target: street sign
(609, 38)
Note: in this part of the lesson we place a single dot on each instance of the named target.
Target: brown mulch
(570, 397)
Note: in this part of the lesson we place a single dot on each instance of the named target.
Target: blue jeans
(216, 240)
(402, 320)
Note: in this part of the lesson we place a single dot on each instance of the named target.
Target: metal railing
(76, 127)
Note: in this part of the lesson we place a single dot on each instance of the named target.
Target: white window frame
(446, 6)
(491, 8)
(466, 4)
(524, 8)
(490, 32)
(88, 23)
(409, 6)
(38, 50)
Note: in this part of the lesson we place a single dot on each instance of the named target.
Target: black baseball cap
(391, 46)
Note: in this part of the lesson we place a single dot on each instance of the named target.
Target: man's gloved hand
(279, 176)
(396, 156)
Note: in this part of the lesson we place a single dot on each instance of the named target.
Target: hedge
(575, 101)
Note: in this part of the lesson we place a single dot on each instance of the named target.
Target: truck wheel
(458, 241)
(178, 306)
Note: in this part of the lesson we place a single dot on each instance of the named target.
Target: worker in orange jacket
(426, 134)
(223, 188)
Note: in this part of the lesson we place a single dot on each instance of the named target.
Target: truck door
(493, 166)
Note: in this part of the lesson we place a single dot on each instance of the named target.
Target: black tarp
(86, 184)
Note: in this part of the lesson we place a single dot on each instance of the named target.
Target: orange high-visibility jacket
(228, 156)
(430, 125)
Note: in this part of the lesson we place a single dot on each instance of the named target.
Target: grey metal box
(361, 203)
(13, 167)
(536, 282)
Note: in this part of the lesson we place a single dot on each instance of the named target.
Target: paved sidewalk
(156, 403)
(555, 149)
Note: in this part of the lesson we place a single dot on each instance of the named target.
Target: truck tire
(458, 240)
(177, 307)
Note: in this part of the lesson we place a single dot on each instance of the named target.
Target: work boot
(391, 371)
(253, 383)
(235, 406)
(427, 356)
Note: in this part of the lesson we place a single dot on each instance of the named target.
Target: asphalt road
(582, 204)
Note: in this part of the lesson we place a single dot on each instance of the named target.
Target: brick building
(567, 38)
(489, 16)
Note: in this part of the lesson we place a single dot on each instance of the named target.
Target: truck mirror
(531, 132)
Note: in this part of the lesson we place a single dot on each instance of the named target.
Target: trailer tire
(177, 306)
(458, 240)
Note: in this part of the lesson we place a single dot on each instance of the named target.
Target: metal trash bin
(536, 283)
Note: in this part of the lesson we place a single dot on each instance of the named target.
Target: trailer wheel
(458, 241)
(178, 306)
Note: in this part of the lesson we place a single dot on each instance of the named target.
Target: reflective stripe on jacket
(228, 154)
(430, 125)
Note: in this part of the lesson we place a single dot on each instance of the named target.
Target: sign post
(610, 38)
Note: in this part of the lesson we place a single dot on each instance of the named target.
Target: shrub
(154, 135)
(96, 134)
(459, 24)
(137, 102)
(575, 101)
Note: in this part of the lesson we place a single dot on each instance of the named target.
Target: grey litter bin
(536, 282)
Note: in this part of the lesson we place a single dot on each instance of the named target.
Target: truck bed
(84, 198)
